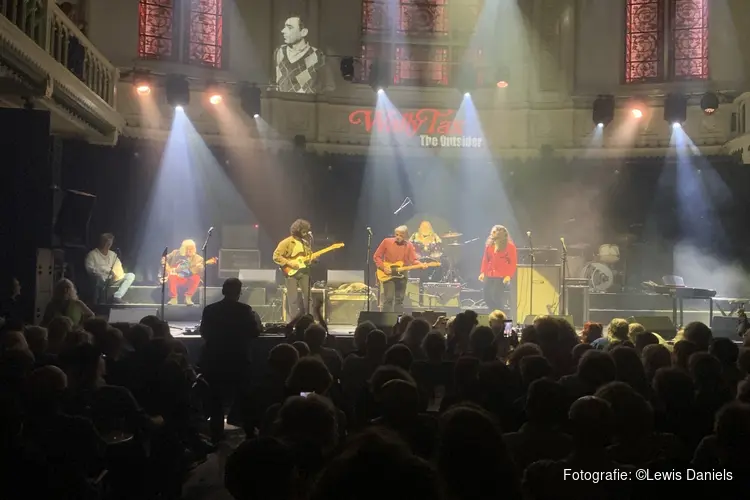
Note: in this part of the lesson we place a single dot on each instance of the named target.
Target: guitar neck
(317, 254)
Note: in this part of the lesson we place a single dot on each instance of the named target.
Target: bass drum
(600, 276)
(609, 254)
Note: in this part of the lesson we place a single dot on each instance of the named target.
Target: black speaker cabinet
(658, 324)
(726, 326)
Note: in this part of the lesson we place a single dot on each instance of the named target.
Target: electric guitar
(398, 267)
(183, 271)
(303, 261)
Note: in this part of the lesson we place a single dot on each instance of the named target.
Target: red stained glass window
(421, 65)
(155, 28)
(422, 17)
(374, 16)
(206, 32)
(690, 39)
(644, 41)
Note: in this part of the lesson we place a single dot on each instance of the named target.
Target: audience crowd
(451, 409)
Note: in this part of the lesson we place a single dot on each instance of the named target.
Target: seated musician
(184, 270)
(393, 250)
(105, 267)
(298, 244)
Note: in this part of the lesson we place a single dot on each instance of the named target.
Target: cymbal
(579, 246)
(454, 244)
(452, 235)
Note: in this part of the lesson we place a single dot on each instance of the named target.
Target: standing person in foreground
(499, 264)
(401, 252)
(65, 302)
(297, 244)
(227, 327)
(184, 269)
(105, 267)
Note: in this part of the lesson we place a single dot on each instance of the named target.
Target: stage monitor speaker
(131, 314)
(726, 327)
(345, 308)
(411, 296)
(546, 291)
(72, 221)
(383, 320)
(258, 276)
(441, 295)
(529, 320)
(657, 324)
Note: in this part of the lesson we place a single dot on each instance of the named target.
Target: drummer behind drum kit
(448, 273)
(603, 273)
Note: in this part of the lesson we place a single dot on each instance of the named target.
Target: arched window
(190, 32)
(666, 40)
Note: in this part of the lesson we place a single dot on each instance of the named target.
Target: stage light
(215, 99)
(142, 83)
(379, 77)
(675, 108)
(600, 125)
(502, 77)
(709, 103)
(636, 112)
(215, 93)
(178, 108)
(347, 68)
(381, 91)
(467, 94)
(676, 125)
(250, 99)
(603, 110)
(178, 90)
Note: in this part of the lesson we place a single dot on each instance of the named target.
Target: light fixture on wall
(250, 99)
(603, 111)
(502, 77)
(675, 109)
(380, 75)
(214, 93)
(347, 68)
(142, 82)
(709, 103)
(637, 108)
(178, 91)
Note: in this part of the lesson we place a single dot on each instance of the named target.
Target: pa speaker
(657, 324)
(72, 221)
(726, 326)
(382, 320)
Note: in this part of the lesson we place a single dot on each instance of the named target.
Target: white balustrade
(51, 29)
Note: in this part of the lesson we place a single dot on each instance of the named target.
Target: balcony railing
(51, 29)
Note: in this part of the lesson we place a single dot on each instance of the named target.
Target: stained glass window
(421, 65)
(155, 28)
(690, 38)
(374, 16)
(420, 17)
(206, 32)
(644, 40)
(666, 40)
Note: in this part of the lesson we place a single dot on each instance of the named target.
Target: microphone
(210, 230)
(406, 203)
(528, 234)
(369, 231)
(562, 240)
(164, 253)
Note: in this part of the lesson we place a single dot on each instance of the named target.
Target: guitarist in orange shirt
(395, 249)
(298, 244)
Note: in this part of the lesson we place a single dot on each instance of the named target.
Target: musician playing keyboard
(392, 250)
(298, 244)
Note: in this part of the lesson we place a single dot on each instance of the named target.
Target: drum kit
(607, 270)
(448, 256)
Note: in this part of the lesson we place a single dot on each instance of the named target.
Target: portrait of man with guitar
(184, 268)
(294, 255)
(394, 257)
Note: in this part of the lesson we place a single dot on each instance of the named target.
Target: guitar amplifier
(411, 299)
(344, 308)
(441, 295)
(232, 261)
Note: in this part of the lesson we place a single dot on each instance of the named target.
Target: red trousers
(192, 282)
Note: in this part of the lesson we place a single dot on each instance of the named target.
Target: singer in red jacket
(499, 264)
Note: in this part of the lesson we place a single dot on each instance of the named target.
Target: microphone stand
(309, 279)
(563, 286)
(205, 267)
(531, 279)
(367, 266)
(163, 279)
